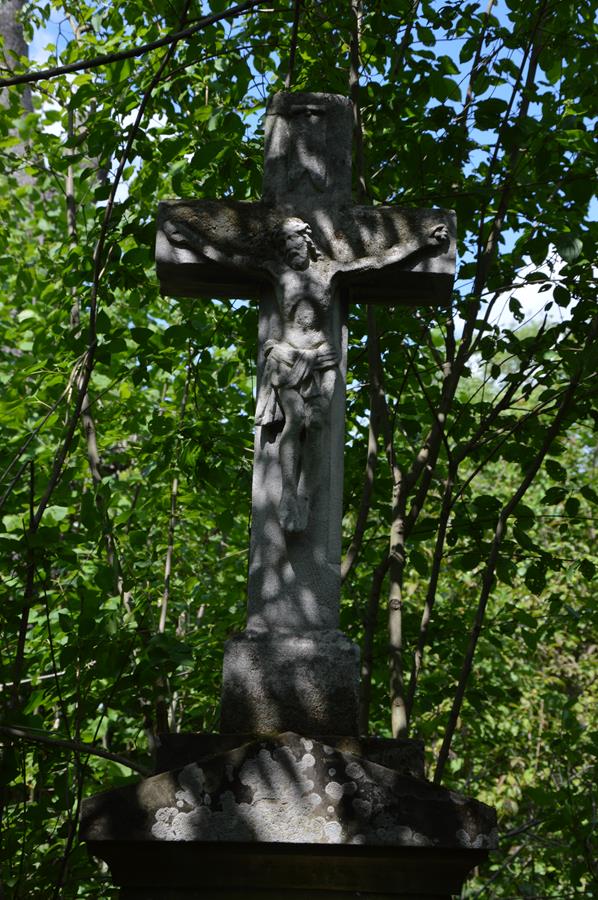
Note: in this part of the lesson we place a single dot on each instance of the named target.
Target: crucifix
(305, 252)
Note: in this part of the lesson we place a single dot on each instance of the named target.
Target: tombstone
(288, 797)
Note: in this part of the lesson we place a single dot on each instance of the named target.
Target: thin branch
(98, 271)
(173, 518)
(366, 499)
(506, 435)
(55, 669)
(372, 454)
(98, 258)
(488, 576)
(31, 436)
(25, 734)
(503, 404)
(418, 658)
(505, 865)
(476, 63)
(396, 549)
(395, 607)
(428, 399)
(367, 656)
(402, 49)
(354, 64)
(19, 663)
(486, 254)
(105, 59)
(293, 48)
(87, 420)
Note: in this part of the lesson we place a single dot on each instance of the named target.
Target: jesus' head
(295, 243)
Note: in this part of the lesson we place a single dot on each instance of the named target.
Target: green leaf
(561, 296)
(587, 569)
(568, 247)
(554, 495)
(588, 493)
(523, 539)
(55, 514)
(556, 471)
(535, 577)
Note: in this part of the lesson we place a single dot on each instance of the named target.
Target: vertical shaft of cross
(306, 670)
(294, 577)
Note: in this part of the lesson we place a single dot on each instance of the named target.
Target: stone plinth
(275, 681)
(402, 755)
(287, 814)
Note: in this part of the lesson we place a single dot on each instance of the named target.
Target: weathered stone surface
(294, 577)
(275, 681)
(346, 233)
(404, 756)
(302, 376)
(292, 815)
(308, 148)
(289, 790)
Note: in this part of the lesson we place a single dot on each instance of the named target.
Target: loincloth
(289, 367)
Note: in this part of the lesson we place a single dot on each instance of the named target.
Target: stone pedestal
(275, 681)
(287, 816)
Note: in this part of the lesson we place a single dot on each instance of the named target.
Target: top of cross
(308, 149)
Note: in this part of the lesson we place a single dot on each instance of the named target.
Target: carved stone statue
(306, 253)
(301, 368)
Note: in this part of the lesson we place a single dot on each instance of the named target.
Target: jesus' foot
(293, 512)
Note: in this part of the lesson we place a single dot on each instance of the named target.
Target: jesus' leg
(316, 417)
(291, 512)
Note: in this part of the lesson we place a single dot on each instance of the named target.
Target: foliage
(126, 416)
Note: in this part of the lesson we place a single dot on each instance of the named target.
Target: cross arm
(179, 234)
(211, 248)
(395, 256)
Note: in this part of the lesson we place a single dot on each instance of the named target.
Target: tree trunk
(14, 46)
(14, 43)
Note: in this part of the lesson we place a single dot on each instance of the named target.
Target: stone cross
(306, 252)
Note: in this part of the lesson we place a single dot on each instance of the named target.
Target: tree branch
(19, 663)
(402, 48)
(372, 455)
(105, 59)
(418, 658)
(98, 258)
(367, 657)
(293, 49)
(24, 734)
(366, 498)
(488, 576)
(476, 64)
(486, 254)
(173, 519)
(357, 13)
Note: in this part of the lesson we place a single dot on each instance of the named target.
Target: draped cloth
(288, 366)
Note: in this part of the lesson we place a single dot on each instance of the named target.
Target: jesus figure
(301, 367)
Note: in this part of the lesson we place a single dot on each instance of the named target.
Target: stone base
(403, 755)
(274, 681)
(299, 873)
(287, 816)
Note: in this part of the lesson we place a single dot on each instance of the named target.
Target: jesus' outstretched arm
(183, 234)
(437, 236)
